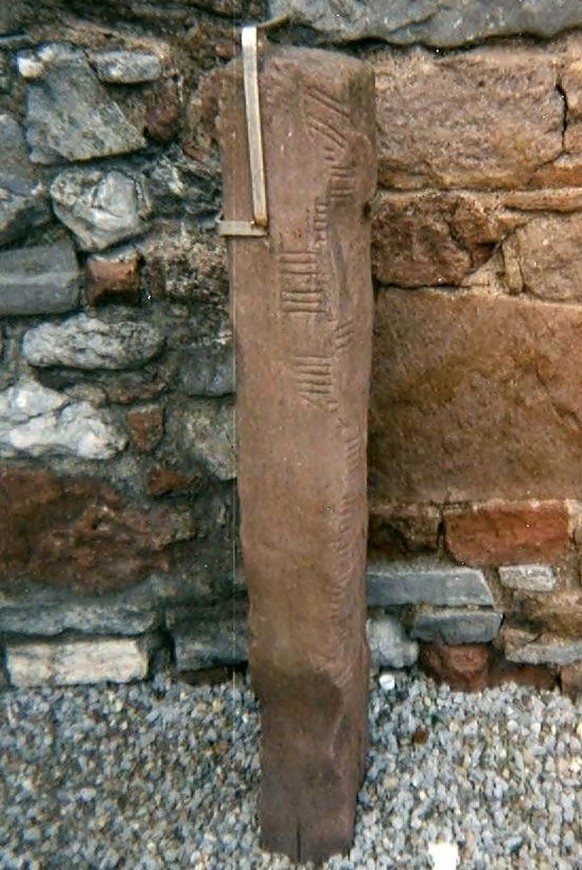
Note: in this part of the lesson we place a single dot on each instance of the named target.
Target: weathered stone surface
(396, 530)
(528, 578)
(502, 533)
(208, 369)
(560, 613)
(429, 238)
(164, 117)
(438, 23)
(303, 309)
(475, 397)
(210, 643)
(550, 262)
(204, 431)
(464, 667)
(113, 279)
(88, 618)
(70, 115)
(488, 118)
(393, 583)
(551, 651)
(146, 427)
(90, 343)
(101, 208)
(39, 280)
(390, 646)
(79, 533)
(162, 481)
(66, 663)
(23, 200)
(571, 679)
(36, 421)
(456, 626)
(127, 67)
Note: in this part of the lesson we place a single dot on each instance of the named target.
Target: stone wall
(117, 470)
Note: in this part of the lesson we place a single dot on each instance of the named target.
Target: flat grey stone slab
(23, 199)
(101, 208)
(66, 663)
(70, 116)
(39, 280)
(394, 583)
(88, 618)
(37, 422)
(438, 23)
(221, 642)
(208, 370)
(85, 342)
(540, 653)
(127, 67)
(457, 626)
(528, 578)
(390, 646)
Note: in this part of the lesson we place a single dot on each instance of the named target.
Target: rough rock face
(79, 533)
(43, 279)
(304, 508)
(473, 381)
(438, 23)
(23, 200)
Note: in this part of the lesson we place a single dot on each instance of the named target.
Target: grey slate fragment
(390, 646)
(70, 115)
(457, 626)
(394, 583)
(436, 23)
(23, 200)
(528, 578)
(127, 67)
(85, 342)
(221, 642)
(89, 618)
(101, 208)
(39, 280)
(541, 653)
(204, 431)
(208, 370)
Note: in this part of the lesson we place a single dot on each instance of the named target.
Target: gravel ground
(165, 775)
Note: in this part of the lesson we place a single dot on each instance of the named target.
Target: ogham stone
(302, 301)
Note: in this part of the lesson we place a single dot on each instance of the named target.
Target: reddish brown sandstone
(303, 311)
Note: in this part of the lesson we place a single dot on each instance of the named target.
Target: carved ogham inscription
(302, 303)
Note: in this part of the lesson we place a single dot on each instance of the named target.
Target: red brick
(505, 533)
(399, 530)
(112, 280)
(464, 667)
(146, 427)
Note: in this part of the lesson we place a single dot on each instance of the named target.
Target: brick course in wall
(117, 377)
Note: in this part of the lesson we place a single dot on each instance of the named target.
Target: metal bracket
(258, 226)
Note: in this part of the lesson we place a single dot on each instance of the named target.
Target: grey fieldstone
(87, 618)
(457, 626)
(390, 646)
(208, 370)
(393, 583)
(23, 200)
(101, 208)
(437, 23)
(127, 67)
(204, 431)
(542, 653)
(38, 422)
(39, 280)
(85, 342)
(528, 578)
(70, 115)
(69, 662)
(211, 643)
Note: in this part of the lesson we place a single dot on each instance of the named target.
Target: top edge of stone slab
(434, 23)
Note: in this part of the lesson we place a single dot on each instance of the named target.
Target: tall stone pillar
(302, 318)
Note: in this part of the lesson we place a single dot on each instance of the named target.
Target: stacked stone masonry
(117, 460)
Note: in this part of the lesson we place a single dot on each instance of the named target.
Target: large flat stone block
(475, 397)
(302, 317)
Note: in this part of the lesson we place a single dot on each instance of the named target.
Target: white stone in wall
(101, 208)
(545, 653)
(66, 663)
(204, 431)
(390, 646)
(127, 67)
(528, 578)
(36, 422)
(90, 343)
